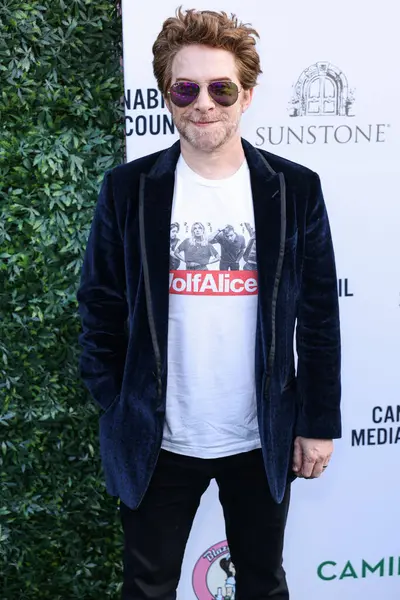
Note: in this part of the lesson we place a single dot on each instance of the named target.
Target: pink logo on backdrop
(214, 574)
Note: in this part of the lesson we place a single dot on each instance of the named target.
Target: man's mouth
(203, 123)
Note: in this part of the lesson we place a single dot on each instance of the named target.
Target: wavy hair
(213, 29)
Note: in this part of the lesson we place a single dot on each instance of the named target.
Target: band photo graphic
(199, 247)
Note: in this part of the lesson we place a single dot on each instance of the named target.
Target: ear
(167, 103)
(247, 99)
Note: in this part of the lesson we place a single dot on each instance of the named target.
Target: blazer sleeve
(102, 303)
(318, 328)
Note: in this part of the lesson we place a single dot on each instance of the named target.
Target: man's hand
(311, 456)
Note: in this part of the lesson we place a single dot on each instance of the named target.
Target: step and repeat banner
(329, 99)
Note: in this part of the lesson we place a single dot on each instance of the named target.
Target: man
(174, 262)
(195, 382)
(232, 248)
(250, 254)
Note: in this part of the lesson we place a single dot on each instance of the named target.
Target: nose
(204, 102)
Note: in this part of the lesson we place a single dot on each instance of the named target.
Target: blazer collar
(167, 161)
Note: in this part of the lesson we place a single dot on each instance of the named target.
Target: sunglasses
(183, 93)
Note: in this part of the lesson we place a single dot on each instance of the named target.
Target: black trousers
(226, 265)
(155, 534)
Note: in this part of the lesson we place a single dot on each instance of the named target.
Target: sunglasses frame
(208, 89)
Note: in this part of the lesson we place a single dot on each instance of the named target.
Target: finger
(308, 467)
(318, 469)
(297, 457)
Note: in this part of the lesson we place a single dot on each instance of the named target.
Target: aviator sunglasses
(183, 93)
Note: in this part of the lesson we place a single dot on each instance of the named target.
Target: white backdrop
(343, 534)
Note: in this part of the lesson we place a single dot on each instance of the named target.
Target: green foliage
(60, 129)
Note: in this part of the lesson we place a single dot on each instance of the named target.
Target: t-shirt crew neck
(186, 171)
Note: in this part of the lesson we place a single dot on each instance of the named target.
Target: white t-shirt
(211, 401)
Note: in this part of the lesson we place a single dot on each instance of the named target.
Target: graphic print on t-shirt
(227, 251)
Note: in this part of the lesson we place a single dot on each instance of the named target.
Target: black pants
(226, 265)
(155, 534)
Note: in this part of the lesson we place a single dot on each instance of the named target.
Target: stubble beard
(208, 140)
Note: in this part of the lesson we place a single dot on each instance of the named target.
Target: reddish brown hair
(212, 29)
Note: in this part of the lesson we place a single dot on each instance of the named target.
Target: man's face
(174, 231)
(230, 235)
(205, 124)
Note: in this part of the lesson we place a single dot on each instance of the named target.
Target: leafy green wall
(60, 129)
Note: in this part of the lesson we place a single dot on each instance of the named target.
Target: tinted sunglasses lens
(184, 93)
(224, 92)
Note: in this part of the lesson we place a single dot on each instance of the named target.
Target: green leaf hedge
(60, 129)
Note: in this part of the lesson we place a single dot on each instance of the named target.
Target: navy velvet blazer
(123, 303)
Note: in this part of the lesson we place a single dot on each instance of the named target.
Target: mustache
(205, 118)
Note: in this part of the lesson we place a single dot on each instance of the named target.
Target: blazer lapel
(158, 192)
(266, 190)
